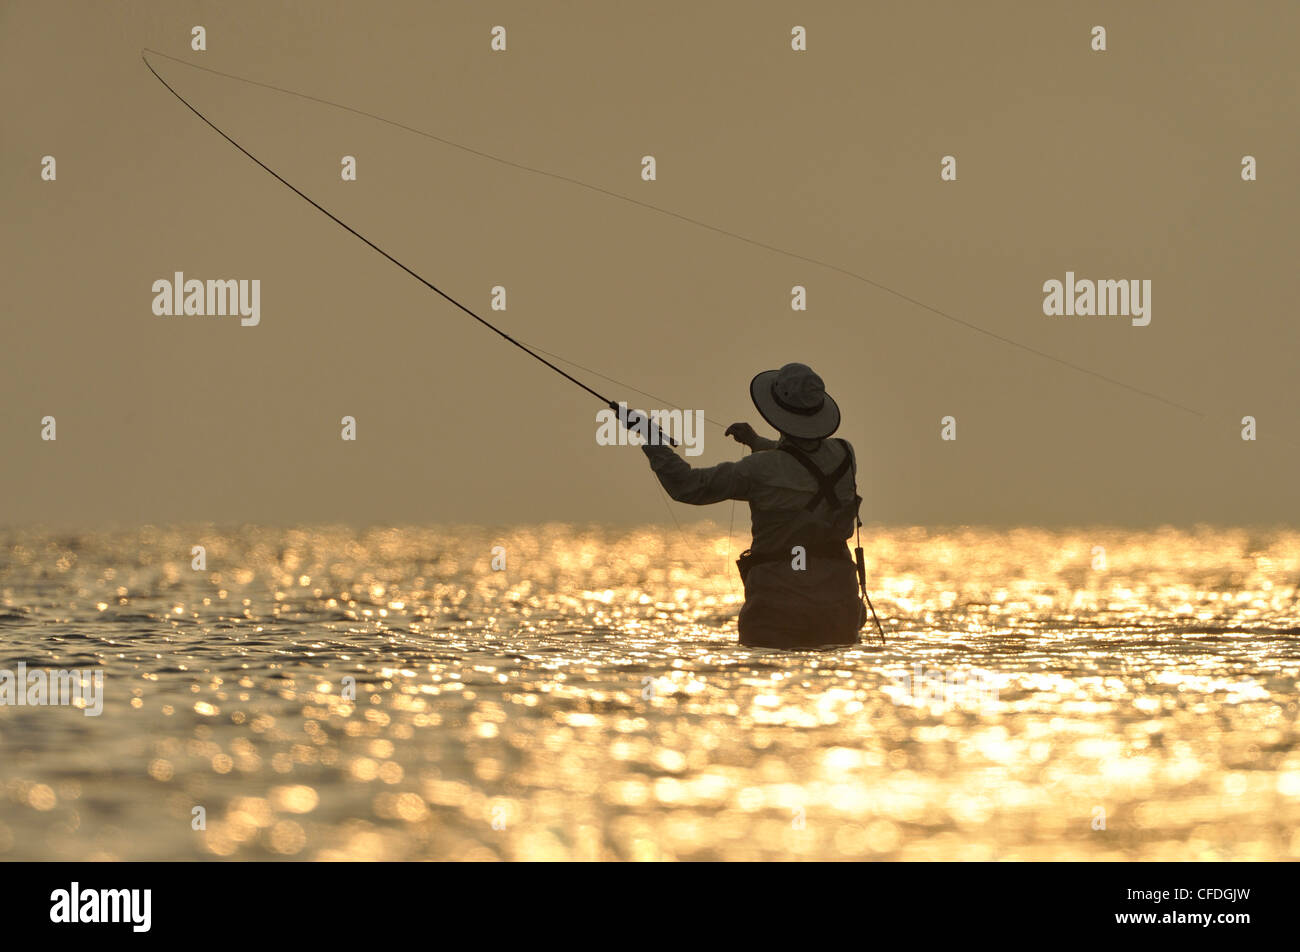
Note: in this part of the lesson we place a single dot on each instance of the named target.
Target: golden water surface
(1042, 695)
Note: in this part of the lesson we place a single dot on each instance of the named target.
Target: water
(590, 701)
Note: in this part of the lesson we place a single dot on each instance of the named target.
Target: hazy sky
(1122, 164)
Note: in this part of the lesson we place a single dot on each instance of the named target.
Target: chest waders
(826, 491)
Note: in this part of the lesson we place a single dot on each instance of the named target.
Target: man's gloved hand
(742, 433)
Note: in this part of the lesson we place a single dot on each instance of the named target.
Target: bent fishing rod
(629, 418)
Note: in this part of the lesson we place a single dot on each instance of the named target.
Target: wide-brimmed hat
(794, 400)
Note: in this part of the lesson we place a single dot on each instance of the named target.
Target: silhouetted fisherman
(802, 491)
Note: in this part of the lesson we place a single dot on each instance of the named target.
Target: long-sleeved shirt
(776, 486)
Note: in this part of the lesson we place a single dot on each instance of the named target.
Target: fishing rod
(629, 418)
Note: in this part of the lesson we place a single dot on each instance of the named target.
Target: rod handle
(631, 418)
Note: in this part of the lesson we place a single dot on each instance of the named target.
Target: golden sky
(1116, 165)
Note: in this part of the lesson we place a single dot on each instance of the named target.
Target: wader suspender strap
(826, 490)
(825, 484)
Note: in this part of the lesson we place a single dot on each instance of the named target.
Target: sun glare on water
(387, 694)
